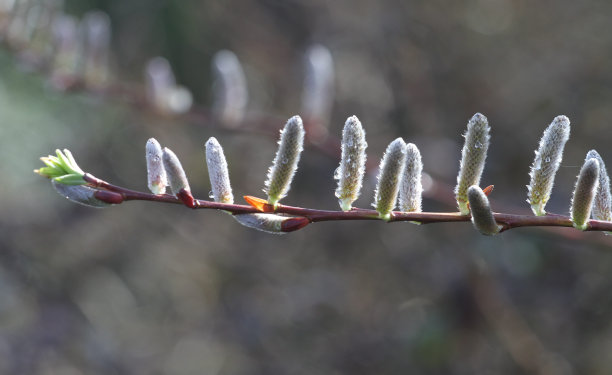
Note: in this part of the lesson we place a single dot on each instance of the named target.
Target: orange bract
(258, 203)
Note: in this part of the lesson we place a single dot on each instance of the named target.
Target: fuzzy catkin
(159, 82)
(156, 174)
(285, 162)
(584, 193)
(411, 188)
(602, 205)
(269, 223)
(352, 164)
(482, 216)
(317, 97)
(175, 172)
(546, 163)
(473, 156)
(389, 178)
(231, 94)
(218, 172)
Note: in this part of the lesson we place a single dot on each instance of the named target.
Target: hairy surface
(411, 188)
(584, 193)
(546, 163)
(473, 156)
(602, 205)
(218, 173)
(285, 162)
(389, 178)
(352, 164)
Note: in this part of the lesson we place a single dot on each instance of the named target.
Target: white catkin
(473, 157)
(584, 193)
(162, 91)
(218, 172)
(175, 172)
(602, 205)
(156, 173)
(352, 164)
(230, 88)
(285, 163)
(546, 163)
(269, 223)
(411, 188)
(389, 177)
(317, 98)
(482, 216)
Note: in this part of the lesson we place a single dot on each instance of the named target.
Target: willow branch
(507, 221)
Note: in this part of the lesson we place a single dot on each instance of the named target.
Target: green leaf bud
(584, 193)
(546, 163)
(62, 168)
(473, 156)
(70, 179)
(285, 163)
(352, 164)
(389, 178)
(69, 162)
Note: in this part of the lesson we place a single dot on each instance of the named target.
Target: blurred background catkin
(146, 288)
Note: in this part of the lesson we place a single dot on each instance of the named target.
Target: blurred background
(147, 288)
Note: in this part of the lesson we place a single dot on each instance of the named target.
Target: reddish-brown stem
(508, 221)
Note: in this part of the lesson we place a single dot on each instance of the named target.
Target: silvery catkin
(473, 156)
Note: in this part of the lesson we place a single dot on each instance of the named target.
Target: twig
(508, 221)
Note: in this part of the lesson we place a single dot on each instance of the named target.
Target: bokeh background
(147, 288)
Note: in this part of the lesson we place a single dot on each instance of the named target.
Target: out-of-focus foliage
(148, 288)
